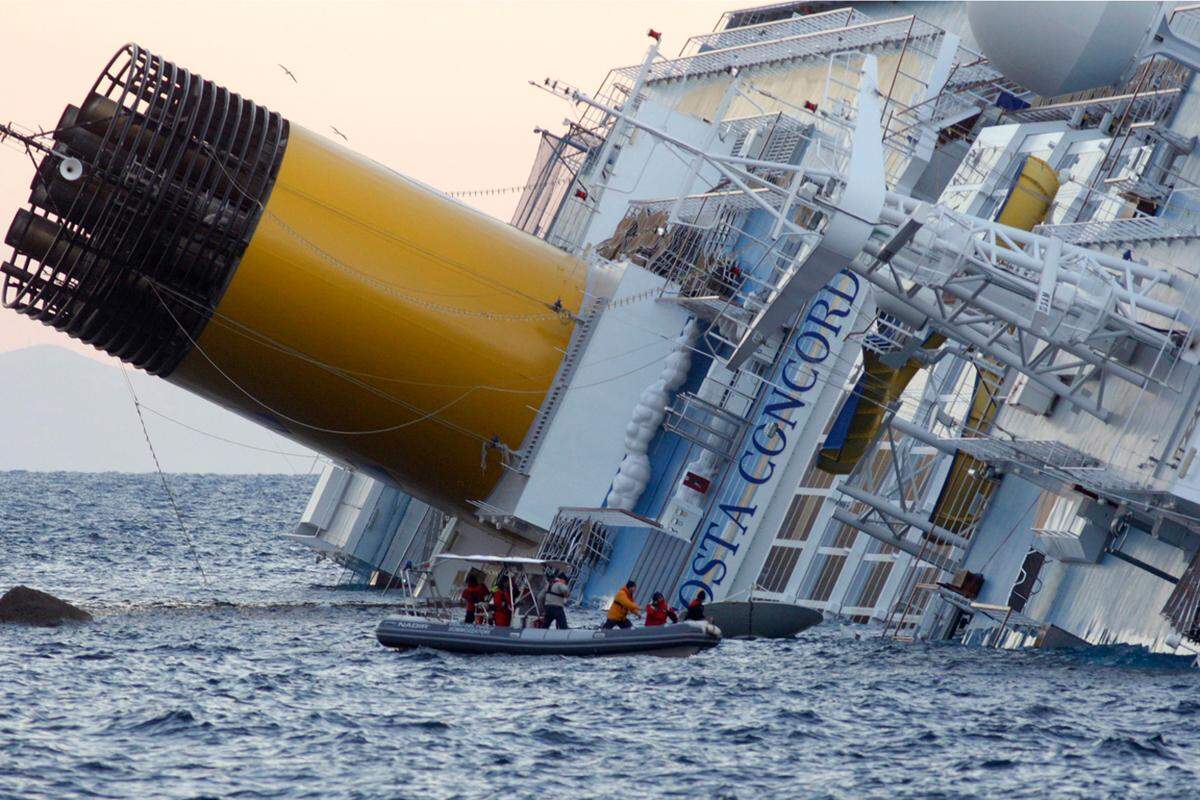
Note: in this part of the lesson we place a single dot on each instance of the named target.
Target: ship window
(815, 478)
(829, 570)
(777, 570)
(800, 517)
(844, 537)
(876, 576)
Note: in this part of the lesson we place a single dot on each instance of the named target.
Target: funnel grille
(132, 254)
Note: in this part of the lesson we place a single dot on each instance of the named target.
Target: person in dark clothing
(658, 612)
(473, 594)
(695, 609)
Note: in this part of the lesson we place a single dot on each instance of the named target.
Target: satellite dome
(1058, 48)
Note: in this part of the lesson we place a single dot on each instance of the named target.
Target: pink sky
(433, 88)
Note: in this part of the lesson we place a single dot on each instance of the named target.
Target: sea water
(258, 678)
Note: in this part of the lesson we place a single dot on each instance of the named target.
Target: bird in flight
(288, 72)
(339, 133)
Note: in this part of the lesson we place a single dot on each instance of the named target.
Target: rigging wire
(394, 291)
(509, 189)
(258, 337)
(202, 432)
(424, 416)
(162, 476)
(383, 285)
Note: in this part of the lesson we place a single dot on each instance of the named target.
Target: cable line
(424, 415)
(162, 476)
(158, 413)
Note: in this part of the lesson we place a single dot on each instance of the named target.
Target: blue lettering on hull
(774, 420)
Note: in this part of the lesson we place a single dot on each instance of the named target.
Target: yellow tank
(1029, 201)
(966, 491)
(212, 243)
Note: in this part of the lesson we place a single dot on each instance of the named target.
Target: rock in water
(27, 606)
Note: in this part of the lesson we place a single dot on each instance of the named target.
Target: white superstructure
(871, 328)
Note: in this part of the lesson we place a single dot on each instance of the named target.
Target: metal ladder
(584, 329)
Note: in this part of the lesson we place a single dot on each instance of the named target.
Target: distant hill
(64, 411)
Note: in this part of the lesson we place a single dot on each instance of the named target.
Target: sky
(436, 89)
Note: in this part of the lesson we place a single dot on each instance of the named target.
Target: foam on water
(271, 685)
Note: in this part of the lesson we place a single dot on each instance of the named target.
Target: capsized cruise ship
(883, 309)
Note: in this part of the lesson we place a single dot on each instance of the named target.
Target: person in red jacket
(501, 605)
(658, 612)
(473, 595)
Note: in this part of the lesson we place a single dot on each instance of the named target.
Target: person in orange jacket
(501, 605)
(658, 612)
(622, 606)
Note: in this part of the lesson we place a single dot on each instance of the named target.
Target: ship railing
(583, 544)
(564, 222)
(888, 334)
(1003, 627)
(1147, 107)
(909, 113)
(1115, 298)
(757, 14)
(1182, 609)
(1151, 92)
(710, 426)
(778, 29)
(1177, 215)
(780, 52)
(905, 482)
(971, 88)
(1128, 230)
(1152, 104)
(1124, 476)
(1042, 454)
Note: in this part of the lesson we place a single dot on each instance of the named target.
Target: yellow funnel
(283, 276)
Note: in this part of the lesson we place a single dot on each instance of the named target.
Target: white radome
(1054, 48)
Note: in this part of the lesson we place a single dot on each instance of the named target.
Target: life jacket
(502, 608)
(659, 613)
(473, 595)
(695, 609)
(557, 594)
(622, 605)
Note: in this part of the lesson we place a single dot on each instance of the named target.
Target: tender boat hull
(743, 619)
(682, 639)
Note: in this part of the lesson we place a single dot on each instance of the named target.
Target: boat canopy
(534, 566)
